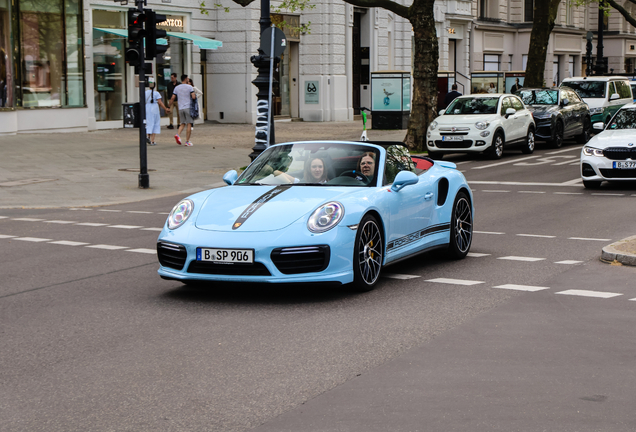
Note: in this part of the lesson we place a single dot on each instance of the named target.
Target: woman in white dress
(153, 116)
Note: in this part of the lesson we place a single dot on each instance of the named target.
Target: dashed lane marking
(512, 183)
(533, 192)
(634, 299)
(585, 293)
(152, 229)
(59, 222)
(477, 255)
(568, 262)
(139, 212)
(107, 247)
(28, 219)
(69, 243)
(4, 217)
(521, 287)
(143, 250)
(92, 224)
(32, 239)
(399, 276)
(7, 236)
(520, 258)
(81, 209)
(455, 281)
(488, 232)
(125, 226)
(589, 239)
(506, 162)
(108, 210)
(608, 194)
(500, 191)
(568, 193)
(536, 235)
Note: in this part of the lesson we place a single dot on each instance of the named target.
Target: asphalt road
(531, 332)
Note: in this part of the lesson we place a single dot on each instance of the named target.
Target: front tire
(497, 146)
(529, 147)
(461, 229)
(368, 255)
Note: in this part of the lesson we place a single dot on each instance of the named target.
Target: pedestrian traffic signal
(152, 48)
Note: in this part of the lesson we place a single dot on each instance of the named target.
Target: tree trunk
(425, 65)
(545, 12)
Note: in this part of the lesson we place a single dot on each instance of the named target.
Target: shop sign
(312, 92)
(291, 26)
(172, 23)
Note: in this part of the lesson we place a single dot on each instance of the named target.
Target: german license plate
(452, 138)
(624, 164)
(226, 256)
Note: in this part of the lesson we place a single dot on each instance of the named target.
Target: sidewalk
(101, 168)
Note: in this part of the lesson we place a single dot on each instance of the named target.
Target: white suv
(481, 124)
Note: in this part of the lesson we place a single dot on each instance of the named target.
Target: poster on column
(387, 94)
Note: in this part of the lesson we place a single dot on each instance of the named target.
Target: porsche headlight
(325, 217)
(482, 125)
(180, 213)
(433, 125)
(598, 110)
(591, 151)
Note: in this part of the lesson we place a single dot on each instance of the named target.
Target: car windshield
(539, 97)
(314, 164)
(588, 89)
(473, 106)
(624, 119)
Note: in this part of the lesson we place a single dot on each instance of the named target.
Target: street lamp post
(264, 135)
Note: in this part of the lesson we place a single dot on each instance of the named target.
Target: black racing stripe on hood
(252, 208)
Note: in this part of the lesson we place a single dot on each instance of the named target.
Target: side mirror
(441, 112)
(404, 178)
(230, 177)
(510, 111)
(599, 126)
(565, 102)
(614, 96)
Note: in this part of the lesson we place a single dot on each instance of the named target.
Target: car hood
(262, 208)
(613, 138)
(542, 109)
(594, 102)
(464, 120)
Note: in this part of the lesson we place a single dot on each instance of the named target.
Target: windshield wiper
(311, 184)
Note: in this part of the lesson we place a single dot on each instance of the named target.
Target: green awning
(200, 41)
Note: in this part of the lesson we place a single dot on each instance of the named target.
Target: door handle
(428, 196)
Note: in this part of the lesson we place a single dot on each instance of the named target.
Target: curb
(616, 253)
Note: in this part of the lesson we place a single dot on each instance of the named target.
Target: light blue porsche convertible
(319, 211)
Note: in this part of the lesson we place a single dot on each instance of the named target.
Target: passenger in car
(366, 164)
(315, 172)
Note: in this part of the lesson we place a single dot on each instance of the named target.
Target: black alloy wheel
(368, 255)
(557, 141)
(461, 229)
(587, 131)
(528, 148)
(497, 146)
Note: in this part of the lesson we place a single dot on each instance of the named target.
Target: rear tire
(587, 131)
(592, 184)
(528, 148)
(368, 255)
(461, 227)
(557, 141)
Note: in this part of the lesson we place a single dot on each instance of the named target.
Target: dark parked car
(559, 113)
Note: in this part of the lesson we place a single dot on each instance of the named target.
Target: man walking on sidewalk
(184, 93)
(171, 86)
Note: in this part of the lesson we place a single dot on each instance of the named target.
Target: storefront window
(109, 65)
(6, 75)
(51, 54)
(173, 61)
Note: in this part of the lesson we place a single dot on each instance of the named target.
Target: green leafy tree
(425, 60)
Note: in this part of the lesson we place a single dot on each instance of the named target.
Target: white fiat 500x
(611, 154)
(481, 124)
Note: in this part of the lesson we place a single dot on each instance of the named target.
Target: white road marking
(152, 229)
(536, 235)
(520, 258)
(522, 287)
(399, 276)
(28, 219)
(477, 255)
(105, 210)
(32, 239)
(566, 162)
(566, 150)
(163, 213)
(568, 262)
(590, 239)
(60, 222)
(142, 250)
(634, 299)
(6, 236)
(574, 182)
(502, 191)
(535, 192)
(568, 193)
(462, 162)
(68, 243)
(139, 212)
(92, 224)
(84, 209)
(4, 217)
(108, 247)
(506, 162)
(585, 293)
(488, 232)
(125, 226)
(512, 183)
(608, 194)
(454, 281)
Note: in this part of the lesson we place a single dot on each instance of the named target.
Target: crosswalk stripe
(521, 287)
(399, 276)
(454, 281)
(520, 258)
(142, 250)
(68, 243)
(586, 293)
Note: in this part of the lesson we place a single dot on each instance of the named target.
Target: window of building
(524, 61)
(528, 10)
(6, 62)
(629, 65)
(569, 12)
(491, 62)
(51, 55)
(556, 71)
(571, 66)
(489, 9)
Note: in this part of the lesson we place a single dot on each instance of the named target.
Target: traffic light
(136, 35)
(152, 49)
